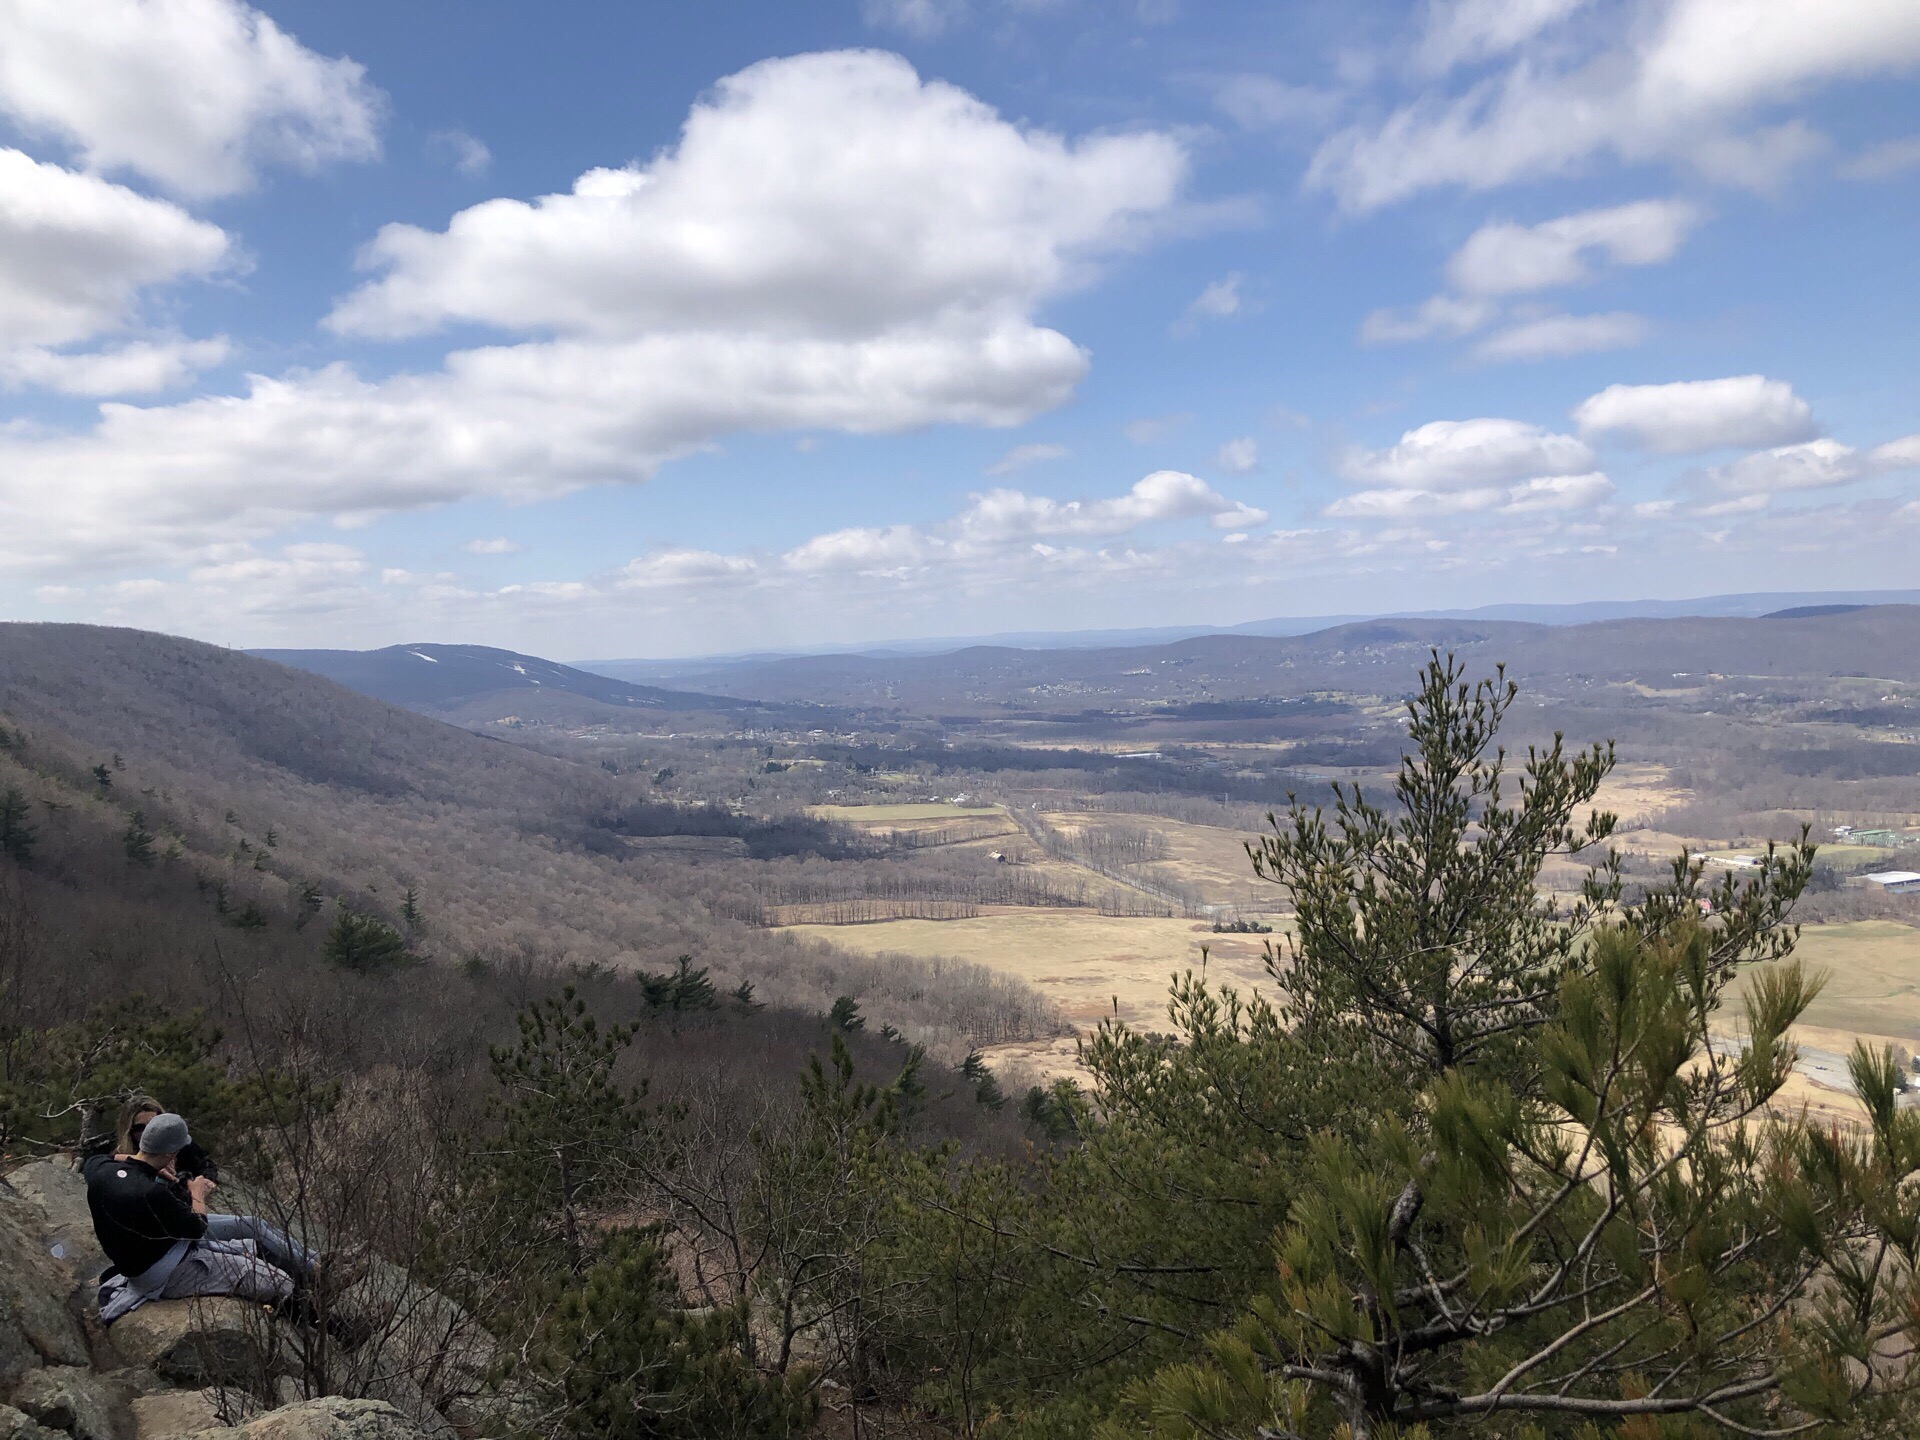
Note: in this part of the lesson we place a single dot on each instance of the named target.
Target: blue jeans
(221, 1264)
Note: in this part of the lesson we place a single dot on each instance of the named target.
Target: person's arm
(181, 1217)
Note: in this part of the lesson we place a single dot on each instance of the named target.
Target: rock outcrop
(219, 1368)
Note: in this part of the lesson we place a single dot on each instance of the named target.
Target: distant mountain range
(1578, 613)
(452, 680)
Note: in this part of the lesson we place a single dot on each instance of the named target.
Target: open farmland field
(1211, 860)
(893, 815)
(1084, 962)
(1873, 982)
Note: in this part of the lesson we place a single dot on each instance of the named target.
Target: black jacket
(138, 1213)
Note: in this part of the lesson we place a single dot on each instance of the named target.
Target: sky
(607, 330)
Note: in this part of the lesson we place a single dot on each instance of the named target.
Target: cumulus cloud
(1546, 336)
(1684, 85)
(766, 215)
(76, 251)
(499, 545)
(137, 368)
(1689, 416)
(1468, 454)
(1238, 457)
(1440, 316)
(1220, 300)
(1815, 465)
(862, 549)
(1000, 515)
(196, 95)
(1503, 258)
(769, 273)
(1541, 494)
(1022, 456)
(667, 568)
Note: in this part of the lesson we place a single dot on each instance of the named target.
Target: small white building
(1895, 882)
(1735, 862)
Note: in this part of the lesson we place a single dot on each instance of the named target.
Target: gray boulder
(60, 1194)
(18, 1425)
(329, 1418)
(170, 1414)
(84, 1404)
(36, 1325)
(214, 1340)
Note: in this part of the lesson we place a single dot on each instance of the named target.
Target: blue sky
(617, 330)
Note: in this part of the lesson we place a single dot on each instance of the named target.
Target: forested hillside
(275, 798)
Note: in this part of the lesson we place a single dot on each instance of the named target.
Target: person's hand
(200, 1187)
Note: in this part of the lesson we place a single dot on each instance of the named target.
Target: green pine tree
(137, 839)
(631, 1364)
(364, 942)
(568, 1129)
(1559, 1203)
(103, 777)
(979, 1074)
(17, 832)
(845, 1015)
(410, 908)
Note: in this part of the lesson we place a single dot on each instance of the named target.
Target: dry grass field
(1091, 965)
(1873, 982)
(1212, 859)
(897, 815)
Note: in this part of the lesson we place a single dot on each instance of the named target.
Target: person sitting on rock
(164, 1242)
(134, 1115)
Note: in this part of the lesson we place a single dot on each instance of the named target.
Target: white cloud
(1901, 454)
(137, 368)
(1546, 336)
(1461, 32)
(196, 95)
(685, 567)
(1021, 456)
(1548, 493)
(467, 154)
(1001, 515)
(1238, 457)
(1260, 102)
(922, 19)
(1892, 157)
(1503, 258)
(1686, 84)
(1220, 300)
(1558, 492)
(499, 545)
(1441, 315)
(76, 251)
(1468, 454)
(781, 269)
(1738, 412)
(767, 215)
(862, 550)
(1815, 465)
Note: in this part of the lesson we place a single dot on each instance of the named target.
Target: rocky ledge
(219, 1369)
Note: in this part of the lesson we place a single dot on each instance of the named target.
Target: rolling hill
(477, 681)
(1377, 656)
